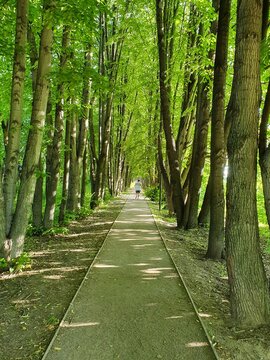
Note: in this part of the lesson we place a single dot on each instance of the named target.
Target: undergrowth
(18, 264)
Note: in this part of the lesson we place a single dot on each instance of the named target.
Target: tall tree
(15, 121)
(201, 129)
(66, 167)
(249, 292)
(109, 60)
(33, 146)
(38, 196)
(189, 86)
(53, 171)
(172, 153)
(80, 124)
(217, 201)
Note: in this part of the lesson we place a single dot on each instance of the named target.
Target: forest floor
(208, 284)
(33, 302)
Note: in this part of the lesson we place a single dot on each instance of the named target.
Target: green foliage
(41, 231)
(3, 265)
(19, 264)
(152, 192)
(162, 214)
(83, 213)
(34, 231)
(53, 321)
(56, 230)
(107, 196)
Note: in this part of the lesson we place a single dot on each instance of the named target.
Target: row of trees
(103, 91)
(233, 136)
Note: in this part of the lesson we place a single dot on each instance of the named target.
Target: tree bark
(33, 54)
(190, 85)
(217, 201)
(93, 156)
(201, 133)
(53, 172)
(78, 140)
(84, 177)
(15, 121)
(37, 208)
(2, 218)
(265, 18)
(73, 187)
(249, 292)
(66, 170)
(166, 115)
(204, 215)
(104, 147)
(38, 197)
(264, 154)
(165, 178)
(264, 148)
(198, 154)
(33, 147)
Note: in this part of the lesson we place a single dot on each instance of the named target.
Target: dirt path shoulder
(208, 284)
(33, 302)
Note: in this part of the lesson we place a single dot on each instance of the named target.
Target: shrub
(18, 264)
(152, 192)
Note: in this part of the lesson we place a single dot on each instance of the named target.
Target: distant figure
(138, 189)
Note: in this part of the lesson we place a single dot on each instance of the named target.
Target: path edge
(185, 286)
(80, 286)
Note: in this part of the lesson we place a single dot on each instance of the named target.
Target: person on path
(138, 189)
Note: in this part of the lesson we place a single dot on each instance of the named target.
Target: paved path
(132, 305)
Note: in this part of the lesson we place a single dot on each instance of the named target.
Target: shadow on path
(132, 304)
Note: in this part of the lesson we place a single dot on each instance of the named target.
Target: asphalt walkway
(132, 304)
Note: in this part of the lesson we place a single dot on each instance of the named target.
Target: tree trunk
(264, 148)
(66, 170)
(54, 170)
(103, 156)
(217, 202)
(33, 147)
(264, 154)
(198, 154)
(190, 85)
(165, 178)
(33, 54)
(78, 140)
(249, 292)
(201, 133)
(84, 177)
(160, 163)
(74, 176)
(166, 115)
(15, 121)
(265, 18)
(38, 197)
(2, 218)
(204, 215)
(93, 156)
